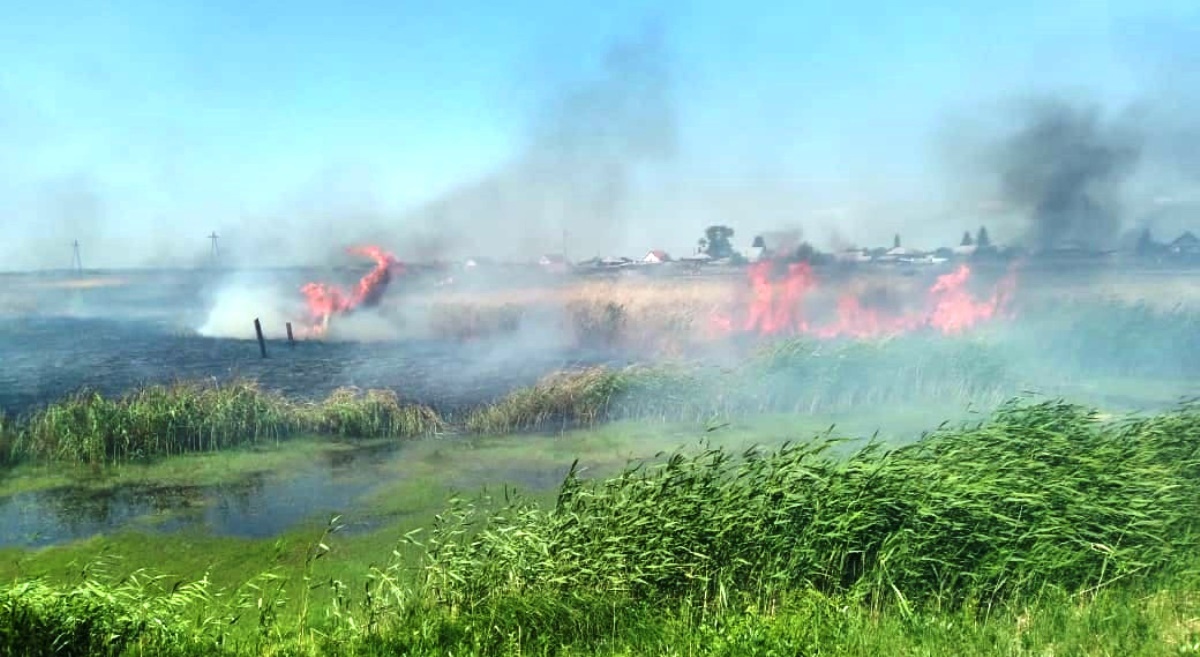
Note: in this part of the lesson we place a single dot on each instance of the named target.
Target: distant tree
(701, 245)
(983, 241)
(1145, 243)
(758, 242)
(896, 241)
(967, 240)
(806, 252)
(717, 244)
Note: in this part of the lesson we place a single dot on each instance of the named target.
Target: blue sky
(146, 124)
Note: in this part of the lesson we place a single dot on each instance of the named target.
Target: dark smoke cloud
(588, 144)
(1064, 168)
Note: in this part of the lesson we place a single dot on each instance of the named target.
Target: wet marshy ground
(258, 505)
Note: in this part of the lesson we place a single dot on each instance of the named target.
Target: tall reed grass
(794, 376)
(1041, 495)
(7, 440)
(1134, 333)
(1121, 339)
(1043, 529)
(162, 420)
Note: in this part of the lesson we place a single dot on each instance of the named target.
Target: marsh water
(259, 504)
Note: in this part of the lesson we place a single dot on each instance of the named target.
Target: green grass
(187, 470)
(1114, 339)
(1043, 529)
(145, 620)
(166, 420)
(1038, 495)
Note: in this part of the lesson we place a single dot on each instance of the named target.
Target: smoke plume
(1063, 168)
(574, 177)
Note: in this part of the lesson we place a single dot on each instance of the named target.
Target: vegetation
(1045, 528)
(1086, 338)
(1041, 495)
(673, 318)
(715, 242)
(793, 375)
(7, 434)
(162, 420)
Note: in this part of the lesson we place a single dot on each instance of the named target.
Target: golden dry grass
(659, 314)
(668, 315)
(635, 294)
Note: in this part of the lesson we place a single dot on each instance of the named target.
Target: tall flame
(777, 307)
(325, 300)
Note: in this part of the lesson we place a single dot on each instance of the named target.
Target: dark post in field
(291, 341)
(262, 344)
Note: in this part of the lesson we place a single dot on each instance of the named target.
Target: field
(598, 467)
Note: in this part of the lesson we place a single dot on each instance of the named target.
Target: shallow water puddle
(366, 485)
(257, 505)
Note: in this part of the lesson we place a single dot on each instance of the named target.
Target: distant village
(716, 250)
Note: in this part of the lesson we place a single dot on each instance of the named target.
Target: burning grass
(679, 316)
(1042, 529)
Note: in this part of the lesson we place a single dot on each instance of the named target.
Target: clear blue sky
(159, 120)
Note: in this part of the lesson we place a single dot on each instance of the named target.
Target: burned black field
(48, 358)
(112, 333)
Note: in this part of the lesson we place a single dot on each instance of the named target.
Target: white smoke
(237, 303)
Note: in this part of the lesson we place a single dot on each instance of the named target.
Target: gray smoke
(1064, 169)
(588, 144)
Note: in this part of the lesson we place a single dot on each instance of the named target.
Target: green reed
(1040, 495)
(162, 420)
(1043, 529)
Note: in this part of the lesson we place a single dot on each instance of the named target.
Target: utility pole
(564, 247)
(213, 237)
(76, 261)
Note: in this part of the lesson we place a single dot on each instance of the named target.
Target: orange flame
(325, 300)
(777, 307)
